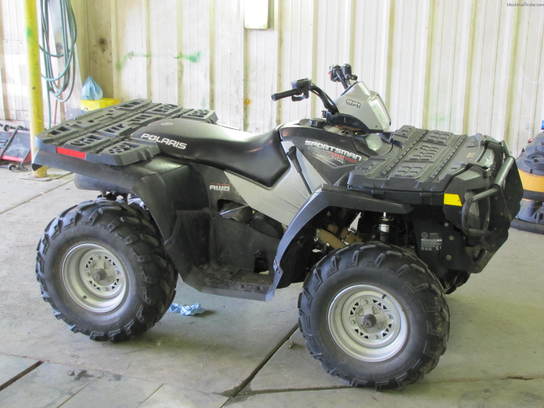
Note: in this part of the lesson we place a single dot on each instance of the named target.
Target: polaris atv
(378, 225)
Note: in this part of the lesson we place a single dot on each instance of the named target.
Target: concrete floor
(246, 353)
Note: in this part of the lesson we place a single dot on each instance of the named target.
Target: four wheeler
(378, 225)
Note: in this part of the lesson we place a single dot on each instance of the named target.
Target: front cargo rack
(105, 136)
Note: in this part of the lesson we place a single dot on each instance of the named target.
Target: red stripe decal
(71, 153)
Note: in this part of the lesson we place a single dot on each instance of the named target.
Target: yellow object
(90, 105)
(34, 79)
(452, 199)
(532, 182)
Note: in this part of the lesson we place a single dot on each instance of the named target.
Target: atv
(378, 225)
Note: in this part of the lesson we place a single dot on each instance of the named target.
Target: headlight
(488, 159)
(474, 216)
(478, 214)
(380, 111)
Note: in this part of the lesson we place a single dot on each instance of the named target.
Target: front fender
(325, 197)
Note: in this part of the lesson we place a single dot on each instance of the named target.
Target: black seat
(259, 157)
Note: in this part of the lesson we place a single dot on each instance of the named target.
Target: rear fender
(164, 185)
(321, 199)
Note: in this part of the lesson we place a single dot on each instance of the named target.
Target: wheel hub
(367, 322)
(101, 276)
(370, 319)
(94, 277)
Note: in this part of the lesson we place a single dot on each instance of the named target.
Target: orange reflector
(72, 153)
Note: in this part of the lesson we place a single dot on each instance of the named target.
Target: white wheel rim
(94, 277)
(367, 323)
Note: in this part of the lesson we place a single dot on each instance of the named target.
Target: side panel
(310, 173)
(218, 187)
(280, 202)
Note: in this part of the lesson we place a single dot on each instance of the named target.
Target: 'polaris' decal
(220, 187)
(164, 140)
(342, 154)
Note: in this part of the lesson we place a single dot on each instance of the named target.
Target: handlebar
(302, 87)
(301, 90)
(286, 94)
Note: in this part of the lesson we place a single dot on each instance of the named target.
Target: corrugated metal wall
(12, 56)
(459, 65)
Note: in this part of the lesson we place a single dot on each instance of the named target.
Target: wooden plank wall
(459, 65)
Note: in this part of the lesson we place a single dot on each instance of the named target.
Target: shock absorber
(384, 227)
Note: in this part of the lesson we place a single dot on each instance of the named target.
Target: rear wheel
(103, 270)
(374, 315)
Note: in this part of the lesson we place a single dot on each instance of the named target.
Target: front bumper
(496, 202)
(503, 205)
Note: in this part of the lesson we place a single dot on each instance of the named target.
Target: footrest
(228, 281)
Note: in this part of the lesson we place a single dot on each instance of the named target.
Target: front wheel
(374, 315)
(102, 268)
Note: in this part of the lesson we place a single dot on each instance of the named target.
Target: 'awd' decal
(164, 140)
(336, 153)
(220, 187)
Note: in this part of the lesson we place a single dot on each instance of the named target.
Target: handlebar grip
(285, 94)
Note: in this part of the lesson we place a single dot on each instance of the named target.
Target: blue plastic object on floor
(91, 90)
(186, 310)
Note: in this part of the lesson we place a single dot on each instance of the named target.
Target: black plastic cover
(105, 135)
(419, 167)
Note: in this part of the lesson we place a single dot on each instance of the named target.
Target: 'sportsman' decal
(337, 155)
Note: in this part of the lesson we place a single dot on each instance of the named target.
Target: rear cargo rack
(105, 136)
